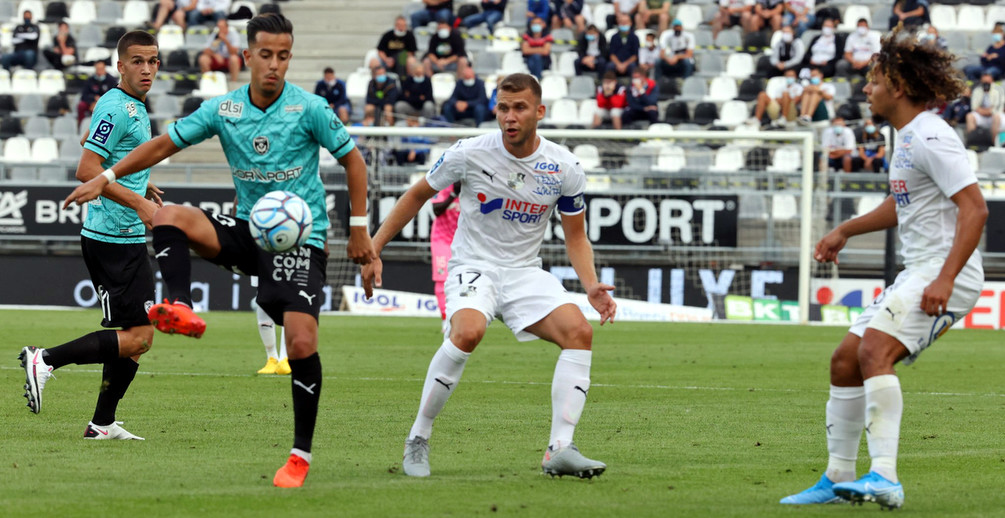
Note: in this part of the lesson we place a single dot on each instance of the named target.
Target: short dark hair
(272, 23)
(141, 38)
(329, 70)
(519, 82)
(860, 20)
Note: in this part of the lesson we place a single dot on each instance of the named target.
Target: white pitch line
(510, 382)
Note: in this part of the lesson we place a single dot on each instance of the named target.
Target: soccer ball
(280, 221)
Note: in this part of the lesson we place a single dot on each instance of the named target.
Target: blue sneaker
(872, 488)
(821, 493)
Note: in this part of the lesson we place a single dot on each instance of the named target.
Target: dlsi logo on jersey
(231, 109)
(513, 210)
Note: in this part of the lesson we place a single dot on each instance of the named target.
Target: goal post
(644, 184)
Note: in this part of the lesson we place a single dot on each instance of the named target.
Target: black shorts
(123, 280)
(286, 282)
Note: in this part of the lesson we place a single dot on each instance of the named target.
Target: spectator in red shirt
(610, 101)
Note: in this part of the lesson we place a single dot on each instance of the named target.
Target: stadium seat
(728, 41)
(190, 105)
(727, 159)
(170, 37)
(751, 207)
(35, 6)
(690, 16)
(486, 63)
(995, 14)
(134, 13)
(109, 11)
(82, 12)
(553, 88)
(739, 65)
(4, 82)
(88, 36)
(749, 89)
(992, 162)
(563, 113)
(661, 129)
(676, 113)
(945, 16)
(722, 89)
(36, 127)
(237, 17)
(44, 149)
(853, 13)
(177, 61)
(512, 63)
(211, 84)
(54, 12)
(112, 36)
(694, 88)
(732, 114)
(582, 87)
(567, 64)
(51, 82)
(505, 39)
(705, 113)
(587, 109)
(24, 81)
(64, 127)
(17, 149)
(443, 86)
(671, 159)
(164, 107)
(784, 207)
(787, 159)
(7, 105)
(600, 14)
(589, 157)
(183, 86)
(564, 35)
(972, 160)
(849, 111)
(709, 64)
(756, 42)
(970, 18)
(356, 85)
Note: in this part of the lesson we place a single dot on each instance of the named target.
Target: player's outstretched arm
(973, 212)
(882, 217)
(403, 212)
(359, 248)
(89, 166)
(580, 252)
(146, 155)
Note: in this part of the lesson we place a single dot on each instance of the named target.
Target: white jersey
(506, 202)
(929, 166)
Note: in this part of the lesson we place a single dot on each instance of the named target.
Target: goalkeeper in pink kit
(447, 209)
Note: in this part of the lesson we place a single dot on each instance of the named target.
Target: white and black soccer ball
(280, 221)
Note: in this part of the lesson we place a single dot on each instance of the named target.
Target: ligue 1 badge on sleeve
(516, 181)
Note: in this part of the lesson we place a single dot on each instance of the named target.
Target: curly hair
(926, 73)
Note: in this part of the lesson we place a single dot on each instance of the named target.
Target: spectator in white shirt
(823, 50)
(838, 142)
(859, 48)
(649, 55)
(676, 52)
(986, 103)
(817, 103)
(781, 104)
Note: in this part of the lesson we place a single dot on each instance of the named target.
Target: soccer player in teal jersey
(270, 131)
(113, 245)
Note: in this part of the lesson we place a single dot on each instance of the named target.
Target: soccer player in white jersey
(512, 180)
(939, 211)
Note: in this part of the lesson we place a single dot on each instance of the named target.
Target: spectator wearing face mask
(642, 99)
(932, 37)
(956, 111)
(872, 151)
(333, 90)
(536, 48)
(676, 52)
(787, 53)
(397, 47)
(446, 50)
(416, 95)
(817, 103)
(823, 53)
(780, 105)
(381, 94)
(649, 55)
(592, 50)
(837, 142)
(611, 101)
(25, 41)
(992, 61)
(623, 53)
(468, 100)
(859, 48)
(986, 103)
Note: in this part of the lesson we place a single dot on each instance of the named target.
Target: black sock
(306, 381)
(171, 251)
(115, 380)
(96, 347)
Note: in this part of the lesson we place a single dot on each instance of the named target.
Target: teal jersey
(119, 124)
(272, 149)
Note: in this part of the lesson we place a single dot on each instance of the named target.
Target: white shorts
(520, 297)
(982, 121)
(897, 311)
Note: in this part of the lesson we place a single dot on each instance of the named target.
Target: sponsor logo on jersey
(548, 185)
(255, 175)
(103, 131)
(900, 193)
(293, 108)
(131, 109)
(229, 108)
(513, 210)
(941, 325)
(548, 167)
(437, 164)
(261, 145)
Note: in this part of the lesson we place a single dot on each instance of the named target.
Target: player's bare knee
(579, 337)
(135, 341)
(301, 346)
(168, 215)
(466, 339)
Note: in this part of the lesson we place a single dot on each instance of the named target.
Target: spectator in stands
(932, 37)
(627, 7)
(538, 9)
(435, 10)
(223, 53)
(817, 103)
(649, 55)
(623, 51)
(414, 149)
(677, 52)
(765, 12)
(783, 108)
(63, 52)
(416, 95)
(729, 15)
(199, 12)
(446, 50)
(837, 142)
(787, 53)
(611, 101)
(93, 88)
(168, 9)
(642, 99)
(592, 50)
(859, 48)
(397, 47)
(494, 98)
(492, 13)
(986, 103)
(956, 111)
(911, 12)
(650, 10)
(536, 48)
(872, 151)
(568, 14)
(799, 15)
(333, 90)
(468, 100)
(993, 59)
(823, 53)
(25, 41)
(381, 94)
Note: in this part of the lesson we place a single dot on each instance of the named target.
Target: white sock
(306, 455)
(444, 373)
(845, 422)
(267, 330)
(282, 343)
(568, 394)
(884, 406)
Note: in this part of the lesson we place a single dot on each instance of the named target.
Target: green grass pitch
(692, 420)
